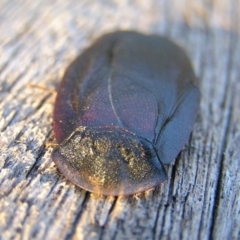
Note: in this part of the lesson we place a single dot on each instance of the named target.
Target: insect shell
(125, 107)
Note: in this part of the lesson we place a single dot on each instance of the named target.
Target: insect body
(125, 107)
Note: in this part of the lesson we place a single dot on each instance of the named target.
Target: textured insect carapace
(125, 107)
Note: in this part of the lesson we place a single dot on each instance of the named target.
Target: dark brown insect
(125, 107)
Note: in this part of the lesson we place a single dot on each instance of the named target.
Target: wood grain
(200, 200)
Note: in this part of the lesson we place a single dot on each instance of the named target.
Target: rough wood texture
(201, 199)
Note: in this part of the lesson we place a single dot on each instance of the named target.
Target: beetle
(124, 108)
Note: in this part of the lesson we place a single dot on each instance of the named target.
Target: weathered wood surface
(201, 199)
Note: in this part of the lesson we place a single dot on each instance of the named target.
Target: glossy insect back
(125, 107)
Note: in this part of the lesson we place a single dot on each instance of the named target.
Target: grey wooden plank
(200, 200)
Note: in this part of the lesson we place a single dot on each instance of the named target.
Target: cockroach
(124, 108)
